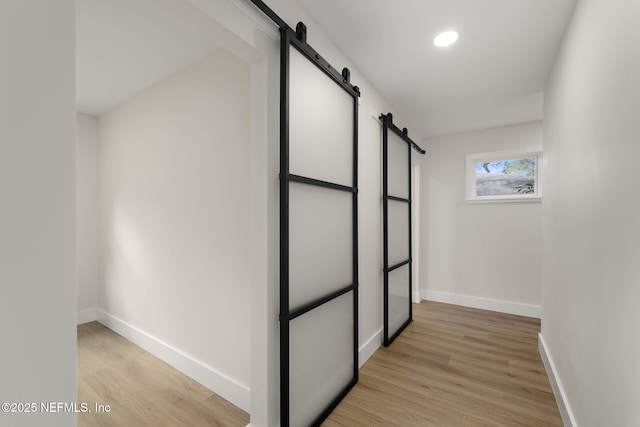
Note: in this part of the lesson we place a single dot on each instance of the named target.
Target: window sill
(488, 199)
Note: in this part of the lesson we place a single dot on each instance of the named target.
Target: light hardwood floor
(141, 389)
(454, 366)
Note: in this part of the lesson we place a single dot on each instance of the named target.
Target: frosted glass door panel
(320, 124)
(320, 242)
(397, 166)
(398, 223)
(398, 298)
(321, 358)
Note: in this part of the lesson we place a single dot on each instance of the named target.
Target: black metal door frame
(297, 40)
(387, 125)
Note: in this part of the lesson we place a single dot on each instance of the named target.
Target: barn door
(396, 189)
(318, 233)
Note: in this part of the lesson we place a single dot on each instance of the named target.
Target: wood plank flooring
(454, 366)
(141, 389)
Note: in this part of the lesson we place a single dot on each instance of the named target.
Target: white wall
(591, 238)
(174, 209)
(250, 25)
(484, 255)
(87, 217)
(37, 226)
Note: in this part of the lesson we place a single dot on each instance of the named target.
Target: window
(505, 176)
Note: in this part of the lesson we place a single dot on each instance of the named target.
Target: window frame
(497, 156)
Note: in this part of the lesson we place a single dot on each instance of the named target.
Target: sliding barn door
(396, 188)
(319, 242)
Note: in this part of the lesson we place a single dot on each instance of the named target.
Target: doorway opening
(164, 191)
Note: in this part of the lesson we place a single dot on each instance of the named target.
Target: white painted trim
(259, 18)
(470, 175)
(505, 199)
(415, 230)
(88, 315)
(416, 297)
(501, 306)
(369, 348)
(566, 413)
(219, 383)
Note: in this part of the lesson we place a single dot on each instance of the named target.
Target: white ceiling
(125, 46)
(494, 75)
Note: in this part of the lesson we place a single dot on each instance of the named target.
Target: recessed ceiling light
(446, 38)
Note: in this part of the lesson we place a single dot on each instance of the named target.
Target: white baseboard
(367, 349)
(556, 385)
(483, 303)
(219, 383)
(416, 297)
(88, 315)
